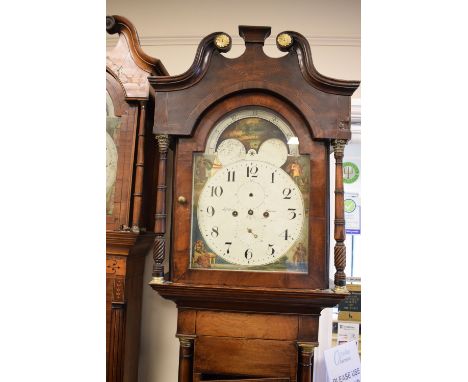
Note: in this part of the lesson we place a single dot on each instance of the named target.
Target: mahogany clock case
(316, 107)
(241, 325)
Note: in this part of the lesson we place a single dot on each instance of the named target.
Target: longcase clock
(130, 157)
(249, 240)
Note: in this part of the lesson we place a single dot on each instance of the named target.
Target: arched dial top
(250, 196)
(213, 140)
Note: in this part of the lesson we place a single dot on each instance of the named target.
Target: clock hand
(249, 230)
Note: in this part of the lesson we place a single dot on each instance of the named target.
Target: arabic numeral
(216, 191)
(286, 235)
(214, 231)
(228, 243)
(248, 254)
(292, 210)
(270, 247)
(287, 193)
(231, 176)
(252, 171)
(210, 210)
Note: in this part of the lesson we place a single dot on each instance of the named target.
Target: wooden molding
(194, 40)
(324, 83)
(300, 46)
(193, 88)
(248, 299)
(127, 62)
(124, 243)
(120, 25)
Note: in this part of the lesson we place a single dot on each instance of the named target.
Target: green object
(350, 172)
(349, 205)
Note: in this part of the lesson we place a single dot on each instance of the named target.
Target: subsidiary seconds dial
(250, 213)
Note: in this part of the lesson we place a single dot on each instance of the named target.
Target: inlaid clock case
(130, 197)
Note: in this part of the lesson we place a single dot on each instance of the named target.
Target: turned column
(340, 233)
(185, 357)
(159, 247)
(139, 170)
(306, 361)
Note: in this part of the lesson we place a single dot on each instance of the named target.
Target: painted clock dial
(250, 213)
(251, 196)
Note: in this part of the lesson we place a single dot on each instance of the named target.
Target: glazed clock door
(253, 203)
(250, 193)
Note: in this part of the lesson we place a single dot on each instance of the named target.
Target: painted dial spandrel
(251, 196)
(250, 213)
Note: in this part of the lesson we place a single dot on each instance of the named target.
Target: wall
(171, 31)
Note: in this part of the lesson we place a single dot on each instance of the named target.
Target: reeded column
(139, 170)
(340, 233)
(186, 357)
(306, 361)
(159, 247)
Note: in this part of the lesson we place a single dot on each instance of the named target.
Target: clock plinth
(248, 246)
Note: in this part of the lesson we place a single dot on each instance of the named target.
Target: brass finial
(222, 41)
(284, 40)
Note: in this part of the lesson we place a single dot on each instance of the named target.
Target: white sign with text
(343, 363)
(348, 331)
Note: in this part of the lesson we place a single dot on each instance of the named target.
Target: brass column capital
(186, 340)
(163, 142)
(338, 147)
(307, 347)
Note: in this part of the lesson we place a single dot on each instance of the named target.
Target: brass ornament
(338, 146)
(156, 281)
(186, 340)
(340, 289)
(222, 41)
(307, 347)
(284, 40)
(163, 142)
